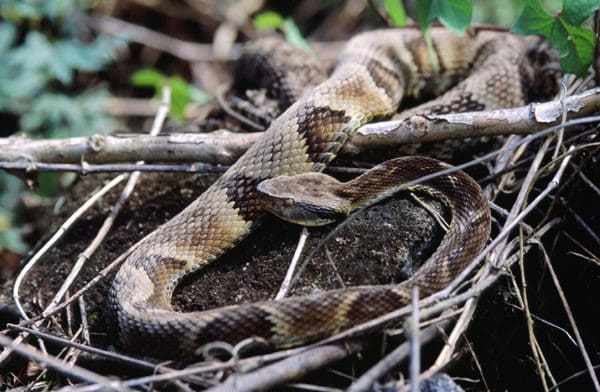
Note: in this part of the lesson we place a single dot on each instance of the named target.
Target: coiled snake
(373, 74)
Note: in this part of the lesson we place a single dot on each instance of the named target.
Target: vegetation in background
(270, 20)
(182, 93)
(565, 31)
(563, 24)
(41, 56)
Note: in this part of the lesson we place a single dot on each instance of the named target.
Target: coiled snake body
(373, 74)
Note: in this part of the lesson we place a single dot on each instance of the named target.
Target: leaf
(576, 12)
(454, 14)
(48, 184)
(182, 93)
(425, 13)
(395, 10)
(294, 36)
(148, 77)
(60, 115)
(576, 49)
(268, 20)
(12, 239)
(576, 44)
(8, 33)
(534, 20)
(180, 96)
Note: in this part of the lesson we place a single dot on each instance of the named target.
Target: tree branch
(224, 147)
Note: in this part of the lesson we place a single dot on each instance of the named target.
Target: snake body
(374, 73)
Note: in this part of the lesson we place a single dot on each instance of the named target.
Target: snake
(281, 174)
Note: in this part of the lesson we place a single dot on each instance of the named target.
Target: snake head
(308, 199)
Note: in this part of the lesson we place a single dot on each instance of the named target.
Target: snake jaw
(308, 199)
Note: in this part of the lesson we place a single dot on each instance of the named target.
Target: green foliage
(41, 59)
(270, 20)
(182, 93)
(395, 10)
(10, 236)
(575, 43)
(565, 29)
(37, 67)
(19, 10)
(454, 14)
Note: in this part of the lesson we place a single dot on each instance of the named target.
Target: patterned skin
(374, 73)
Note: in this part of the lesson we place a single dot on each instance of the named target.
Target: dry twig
(224, 147)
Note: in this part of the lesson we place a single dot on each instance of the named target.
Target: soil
(381, 245)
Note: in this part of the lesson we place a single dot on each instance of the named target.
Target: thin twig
(287, 370)
(141, 364)
(285, 285)
(60, 366)
(567, 307)
(414, 340)
(390, 361)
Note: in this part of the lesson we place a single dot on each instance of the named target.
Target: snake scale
(373, 74)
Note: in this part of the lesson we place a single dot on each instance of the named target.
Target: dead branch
(68, 370)
(224, 147)
(429, 128)
(157, 126)
(219, 147)
(393, 359)
(185, 50)
(288, 369)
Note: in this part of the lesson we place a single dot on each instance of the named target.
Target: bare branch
(224, 147)
(428, 128)
(76, 372)
(219, 147)
(288, 369)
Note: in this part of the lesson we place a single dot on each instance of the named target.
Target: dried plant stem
(390, 361)
(224, 147)
(568, 311)
(414, 340)
(38, 255)
(524, 302)
(107, 225)
(285, 285)
(60, 366)
(287, 370)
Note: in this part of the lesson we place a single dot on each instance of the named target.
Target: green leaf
(454, 14)
(534, 20)
(425, 13)
(148, 77)
(575, 44)
(8, 33)
(294, 36)
(180, 96)
(268, 20)
(12, 239)
(58, 115)
(576, 48)
(48, 184)
(182, 93)
(395, 10)
(576, 12)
